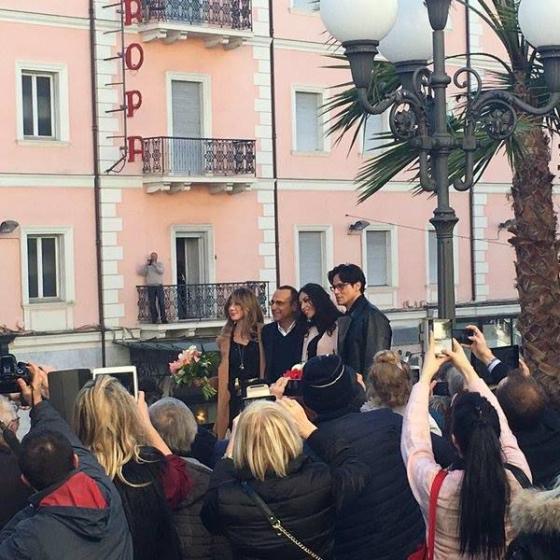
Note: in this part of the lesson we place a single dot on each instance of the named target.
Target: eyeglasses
(339, 287)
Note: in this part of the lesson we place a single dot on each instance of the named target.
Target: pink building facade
(238, 181)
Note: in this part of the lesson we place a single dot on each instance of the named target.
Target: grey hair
(175, 423)
(456, 381)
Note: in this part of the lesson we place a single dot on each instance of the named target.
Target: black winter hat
(327, 384)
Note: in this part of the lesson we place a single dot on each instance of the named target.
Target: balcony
(174, 164)
(198, 302)
(226, 23)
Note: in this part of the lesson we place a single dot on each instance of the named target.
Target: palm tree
(528, 152)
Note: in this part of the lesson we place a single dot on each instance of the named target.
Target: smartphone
(462, 336)
(126, 375)
(442, 332)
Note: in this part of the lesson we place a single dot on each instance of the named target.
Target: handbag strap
(275, 523)
(434, 494)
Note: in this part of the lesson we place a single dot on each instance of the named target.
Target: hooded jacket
(79, 517)
(536, 516)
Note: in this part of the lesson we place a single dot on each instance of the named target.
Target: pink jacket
(416, 447)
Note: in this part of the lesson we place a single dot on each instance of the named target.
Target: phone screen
(126, 375)
(442, 329)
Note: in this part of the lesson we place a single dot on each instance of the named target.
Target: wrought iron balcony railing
(189, 302)
(164, 155)
(224, 14)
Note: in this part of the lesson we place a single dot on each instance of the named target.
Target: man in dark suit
(364, 330)
(283, 338)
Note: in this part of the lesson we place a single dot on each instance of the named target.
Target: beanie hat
(327, 384)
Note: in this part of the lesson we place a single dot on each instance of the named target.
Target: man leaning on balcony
(153, 272)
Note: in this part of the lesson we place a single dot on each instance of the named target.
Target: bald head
(522, 401)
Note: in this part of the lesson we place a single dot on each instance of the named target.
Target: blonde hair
(252, 312)
(107, 421)
(266, 440)
(388, 380)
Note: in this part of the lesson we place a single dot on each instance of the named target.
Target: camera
(10, 371)
(257, 392)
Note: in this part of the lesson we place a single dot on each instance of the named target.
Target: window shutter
(377, 258)
(374, 125)
(311, 259)
(307, 122)
(186, 108)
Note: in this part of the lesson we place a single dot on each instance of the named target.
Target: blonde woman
(242, 355)
(149, 478)
(389, 385)
(265, 455)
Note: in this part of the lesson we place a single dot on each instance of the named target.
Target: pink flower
(174, 367)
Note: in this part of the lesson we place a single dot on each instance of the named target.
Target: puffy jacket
(384, 522)
(196, 542)
(80, 517)
(536, 515)
(304, 501)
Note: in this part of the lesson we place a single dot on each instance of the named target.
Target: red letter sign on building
(133, 151)
(132, 11)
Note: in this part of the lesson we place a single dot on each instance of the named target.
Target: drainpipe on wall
(471, 190)
(96, 178)
(274, 142)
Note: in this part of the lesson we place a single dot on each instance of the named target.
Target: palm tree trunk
(537, 265)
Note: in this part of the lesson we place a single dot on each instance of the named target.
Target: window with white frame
(38, 91)
(312, 262)
(44, 279)
(378, 258)
(306, 5)
(309, 128)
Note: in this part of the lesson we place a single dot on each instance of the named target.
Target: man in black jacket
(76, 511)
(364, 330)
(536, 427)
(283, 338)
(384, 522)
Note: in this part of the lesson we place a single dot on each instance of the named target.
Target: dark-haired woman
(322, 316)
(242, 355)
(473, 507)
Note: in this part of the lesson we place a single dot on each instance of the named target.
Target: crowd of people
(364, 463)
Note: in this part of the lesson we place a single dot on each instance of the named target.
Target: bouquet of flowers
(193, 368)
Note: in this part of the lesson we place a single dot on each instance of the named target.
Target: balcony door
(186, 149)
(192, 275)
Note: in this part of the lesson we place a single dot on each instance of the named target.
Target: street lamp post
(409, 33)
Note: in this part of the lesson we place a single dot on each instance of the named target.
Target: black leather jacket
(363, 331)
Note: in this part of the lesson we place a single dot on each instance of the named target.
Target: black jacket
(384, 522)
(304, 501)
(196, 542)
(536, 515)
(13, 493)
(81, 517)
(541, 447)
(147, 511)
(362, 332)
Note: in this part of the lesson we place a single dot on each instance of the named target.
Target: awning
(170, 344)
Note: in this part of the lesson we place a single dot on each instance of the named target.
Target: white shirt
(287, 331)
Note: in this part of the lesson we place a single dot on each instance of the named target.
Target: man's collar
(288, 330)
(357, 304)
